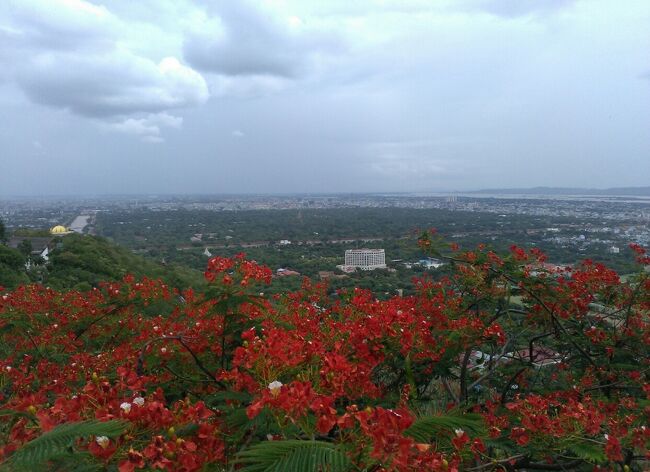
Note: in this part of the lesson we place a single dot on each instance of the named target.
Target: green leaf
(304, 456)
(75, 461)
(589, 452)
(59, 442)
(24, 414)
(237, 418)
(426, 428)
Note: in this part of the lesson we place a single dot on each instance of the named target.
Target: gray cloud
(119, 84)
(244, 41)
(418, 160)
(148, 127)
(332, 95)
(59, 25)
(70, 55)
(516, 8)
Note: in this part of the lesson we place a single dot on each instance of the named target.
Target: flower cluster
(236, 270)
(503, 364)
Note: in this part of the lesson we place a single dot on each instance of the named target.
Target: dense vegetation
(12, 267)
(501, 366)
(144, 228)
(82, 262)
(320, 236)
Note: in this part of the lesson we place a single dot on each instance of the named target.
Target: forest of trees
(167, 234)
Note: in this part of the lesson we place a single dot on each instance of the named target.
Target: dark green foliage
(81, 262)
(428, 428)
(31, 233)
(589, 452)
(304, 456)
(11, 258)
(320, 236)
(12, 267)
(59, 444)
(25, 247)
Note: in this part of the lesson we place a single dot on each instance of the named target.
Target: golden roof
(58, 229)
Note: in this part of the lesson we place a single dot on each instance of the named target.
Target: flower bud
(275, 387)
(102, 441)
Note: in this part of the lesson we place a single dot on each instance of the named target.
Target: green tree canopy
(25, 247)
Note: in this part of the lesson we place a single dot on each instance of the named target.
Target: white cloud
(246, 87)
(238, 134)
(416, 159)
(153, 139)
(149, 127)
(75, 55)
(38, 148)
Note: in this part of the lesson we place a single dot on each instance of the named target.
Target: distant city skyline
(293, 97)
(641, 192)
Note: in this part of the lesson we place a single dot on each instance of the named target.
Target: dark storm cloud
(245, 41)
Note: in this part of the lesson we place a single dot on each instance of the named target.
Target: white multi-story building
(365, 259)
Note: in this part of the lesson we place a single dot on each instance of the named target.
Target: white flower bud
(275, 387)
(102, 441)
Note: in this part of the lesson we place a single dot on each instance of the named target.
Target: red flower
(460, 439)
(520, 436)
(134, 460)
(613, 448)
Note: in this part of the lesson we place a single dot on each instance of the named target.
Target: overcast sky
(181, 96)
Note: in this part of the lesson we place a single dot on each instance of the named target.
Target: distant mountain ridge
(615, 191)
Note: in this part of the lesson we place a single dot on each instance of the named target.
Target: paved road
(79, 223)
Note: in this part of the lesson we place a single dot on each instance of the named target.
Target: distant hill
(81, 262)
(615, 191)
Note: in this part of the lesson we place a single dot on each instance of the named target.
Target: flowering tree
(506, 364)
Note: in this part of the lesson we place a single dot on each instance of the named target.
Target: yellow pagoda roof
(58, 229)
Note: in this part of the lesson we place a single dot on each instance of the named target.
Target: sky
(300, 96)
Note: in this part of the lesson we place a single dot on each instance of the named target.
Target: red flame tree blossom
(505, 364)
